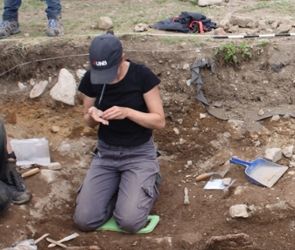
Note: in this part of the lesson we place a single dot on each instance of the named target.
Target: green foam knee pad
(111, 225)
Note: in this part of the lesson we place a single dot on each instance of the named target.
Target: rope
(149, 34)
(40, 60)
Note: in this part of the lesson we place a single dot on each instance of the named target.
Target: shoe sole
(50, 35)
(11, 33)
(23, 201)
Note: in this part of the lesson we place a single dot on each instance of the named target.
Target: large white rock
(65, 88)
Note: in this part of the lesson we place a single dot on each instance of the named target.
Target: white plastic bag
(31, 151)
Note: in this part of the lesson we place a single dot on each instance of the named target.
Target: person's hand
(96, 115)
(114, 113)
(14, 177)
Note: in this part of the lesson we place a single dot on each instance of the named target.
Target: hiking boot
(54, 27)
(8, 28)
(18, 197)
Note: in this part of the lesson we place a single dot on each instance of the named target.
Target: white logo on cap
(100, 63)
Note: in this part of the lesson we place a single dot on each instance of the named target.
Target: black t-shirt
(128, 92)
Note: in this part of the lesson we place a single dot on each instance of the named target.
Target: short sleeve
(150, 80)
(85, 85)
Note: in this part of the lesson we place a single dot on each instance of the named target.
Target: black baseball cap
(105, 54)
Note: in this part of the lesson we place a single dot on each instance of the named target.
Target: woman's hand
(96, 115)
(114, 113)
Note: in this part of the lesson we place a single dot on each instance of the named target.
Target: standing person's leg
(138, 191)
(53, 11)
(9, 24)
(98, 195)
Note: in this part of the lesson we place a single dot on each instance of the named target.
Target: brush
(186, 199)
(70, 237)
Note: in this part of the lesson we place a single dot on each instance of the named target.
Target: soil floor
(238, 122)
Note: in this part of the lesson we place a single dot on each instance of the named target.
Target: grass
(32, 5)
(79, 17)
(283, 7)
(262, 43)
(172, 40)
(231, 52)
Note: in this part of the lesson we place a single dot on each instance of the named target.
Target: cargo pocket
(148, 196)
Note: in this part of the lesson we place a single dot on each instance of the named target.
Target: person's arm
(12, 175)
(155, 119)
(92, 115)
(9, 150)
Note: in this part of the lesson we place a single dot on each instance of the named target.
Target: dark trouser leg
(3, 152)
(53, 8)
(10, 12)
(5, 194)
(5, 197)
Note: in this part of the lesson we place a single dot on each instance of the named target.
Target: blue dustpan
(261, 172)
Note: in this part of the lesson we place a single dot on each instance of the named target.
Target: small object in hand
(186, 198)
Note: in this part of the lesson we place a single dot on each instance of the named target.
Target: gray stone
(283, 28)
(239, 211)
(48, 175)
(231, 241)
(234, 29)
(54, 166)
(273, 154)
(38, 89)
(240, 21)
(80, 73)
(225, 21)
(104, 23)
(141, 27)
(262, 25)
(288, 151)
(22, 86)
(209, 2)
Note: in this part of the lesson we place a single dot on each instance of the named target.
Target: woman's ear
(123, 57)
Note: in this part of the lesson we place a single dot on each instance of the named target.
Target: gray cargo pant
(120, 182)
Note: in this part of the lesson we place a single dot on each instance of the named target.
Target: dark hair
(110, 32)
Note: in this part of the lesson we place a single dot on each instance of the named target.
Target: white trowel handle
(30, 172)
(204, 176)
